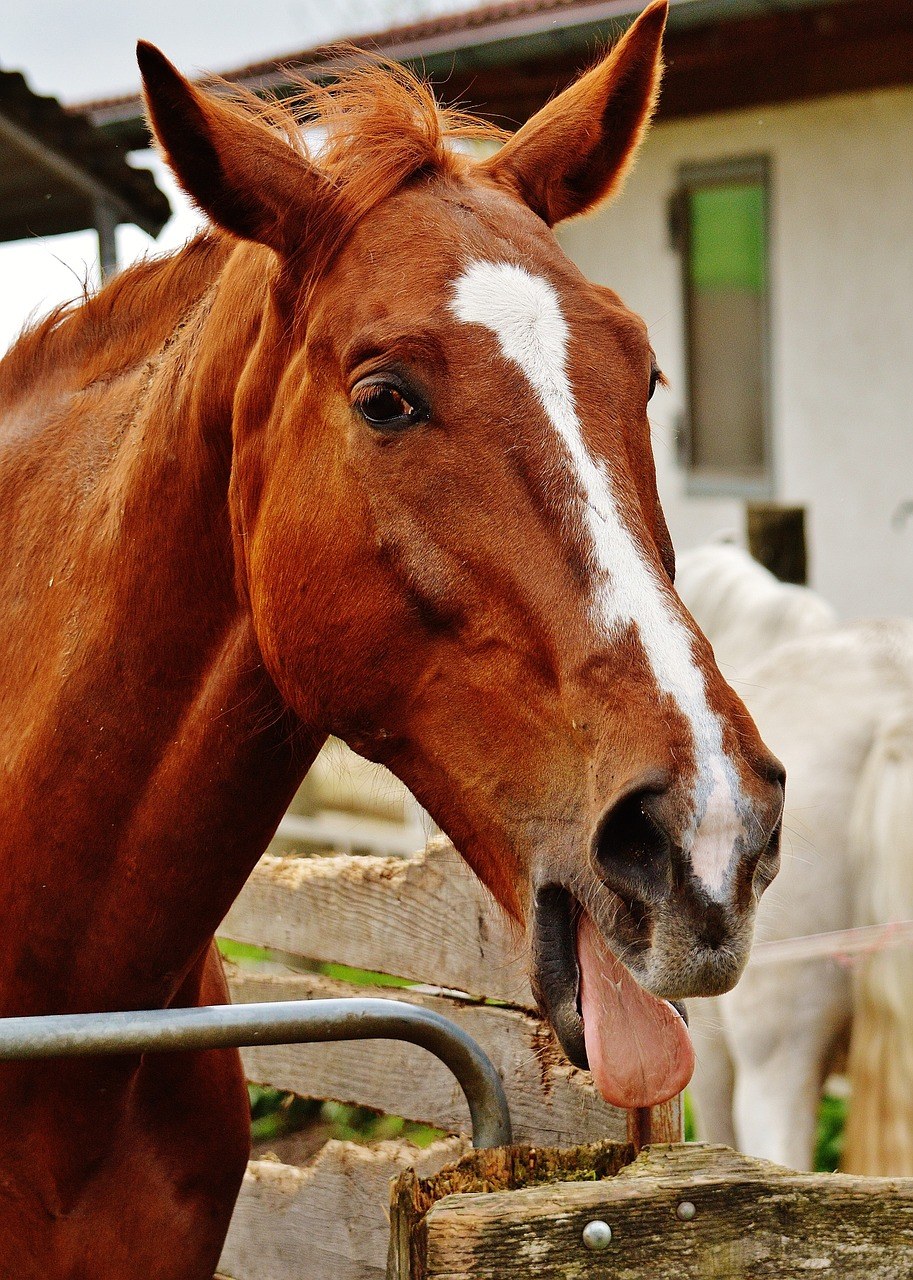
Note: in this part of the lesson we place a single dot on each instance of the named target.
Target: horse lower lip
(556, 973)
(557, 969)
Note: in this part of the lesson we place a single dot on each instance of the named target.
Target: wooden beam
(665, 1123)
(678, 1211)
(550, 1101)
(106, 221)
(427, 919)
(423, 919)
(412, 1196)
(73, 175)
(789, 56)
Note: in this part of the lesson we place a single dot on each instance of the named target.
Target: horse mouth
(635, 1044)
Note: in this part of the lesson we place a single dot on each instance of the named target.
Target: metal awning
(60, 173)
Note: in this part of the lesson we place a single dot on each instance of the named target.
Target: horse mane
(115, 328)
(742, 608)
(380, 128)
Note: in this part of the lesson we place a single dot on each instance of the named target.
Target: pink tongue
(638, 1047)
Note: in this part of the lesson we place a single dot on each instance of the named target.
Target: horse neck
(149, 756)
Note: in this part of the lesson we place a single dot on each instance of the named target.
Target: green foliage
(241, 952)
(274, 1113)
(359, 1124)
(238, 951)
(360, 977)
(829, 1139)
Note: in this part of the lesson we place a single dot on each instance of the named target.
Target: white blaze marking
(524, 313)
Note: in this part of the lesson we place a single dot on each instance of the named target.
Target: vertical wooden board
(752, 1221)
(426, 918)
(551, 1103)
(327, 1221)
(665, 1123)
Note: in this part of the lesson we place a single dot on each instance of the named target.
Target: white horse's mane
(742, 608)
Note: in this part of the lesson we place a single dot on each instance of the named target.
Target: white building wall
(841, 325)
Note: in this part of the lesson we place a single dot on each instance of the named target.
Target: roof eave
(526, 36)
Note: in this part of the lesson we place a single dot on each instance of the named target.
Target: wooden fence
(683, 1212)
(427, 920)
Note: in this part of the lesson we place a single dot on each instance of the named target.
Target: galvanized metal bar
(219, 1026)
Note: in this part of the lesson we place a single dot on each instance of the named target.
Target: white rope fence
(842, 945)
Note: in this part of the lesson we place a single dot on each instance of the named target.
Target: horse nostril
(632, 848)
(766, 766)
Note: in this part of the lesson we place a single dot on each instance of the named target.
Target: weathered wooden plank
(426, 918)
(327, 1221)
(498, 1169)
(751, 1219)
(551, 1102)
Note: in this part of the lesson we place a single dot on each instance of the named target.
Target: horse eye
(655, 376)
(383, 405)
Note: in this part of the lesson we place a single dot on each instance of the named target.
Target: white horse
(745, 611)
(836, 704)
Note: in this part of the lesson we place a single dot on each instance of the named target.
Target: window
(720, 228)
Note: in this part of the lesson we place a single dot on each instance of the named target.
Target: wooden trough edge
(673, 1210)
(413, 1196)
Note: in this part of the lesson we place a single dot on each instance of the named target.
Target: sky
(78, 50)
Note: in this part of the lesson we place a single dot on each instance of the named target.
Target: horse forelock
(370, 132)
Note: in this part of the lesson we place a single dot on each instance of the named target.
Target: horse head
(448, 531)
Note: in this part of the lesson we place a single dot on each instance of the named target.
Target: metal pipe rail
(219, 1026)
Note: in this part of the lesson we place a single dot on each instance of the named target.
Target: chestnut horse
(368, 458)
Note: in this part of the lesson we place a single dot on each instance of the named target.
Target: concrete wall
(841, 320)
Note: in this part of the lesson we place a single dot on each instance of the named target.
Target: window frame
(703, 481)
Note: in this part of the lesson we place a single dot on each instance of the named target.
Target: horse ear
(576, 151)
(236, 168)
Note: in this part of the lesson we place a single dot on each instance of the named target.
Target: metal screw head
(597, 1235)
(685, 1211)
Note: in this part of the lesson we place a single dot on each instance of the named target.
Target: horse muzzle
(618, 941)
